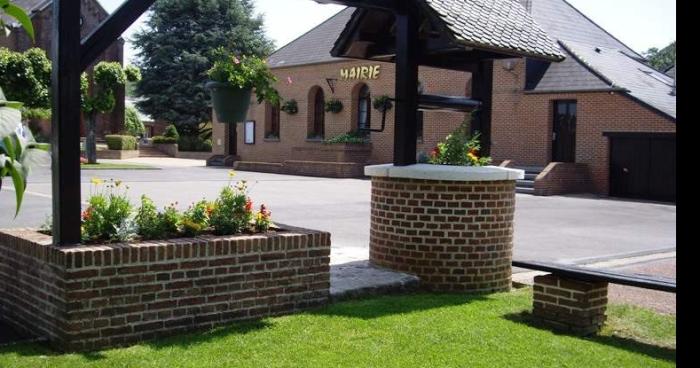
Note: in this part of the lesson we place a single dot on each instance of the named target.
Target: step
(531, 169)
(360, 279)
(525, 184)
(523, 190)
(531, 176)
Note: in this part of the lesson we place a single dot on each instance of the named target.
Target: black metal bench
(601, 275)
(575, 298)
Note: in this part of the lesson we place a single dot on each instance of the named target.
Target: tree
(662, 59)
(132, 122)
(106, 78)
(176, 50)
(26, 77)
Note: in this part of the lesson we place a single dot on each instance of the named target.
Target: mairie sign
(360, 73)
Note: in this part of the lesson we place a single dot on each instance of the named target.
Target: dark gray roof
(314, 46)
(502, 25)
(671, 72)
(621, 70)
(568, 76)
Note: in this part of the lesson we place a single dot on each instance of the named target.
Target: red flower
(249, 205)
(435, 152)
(87, 214)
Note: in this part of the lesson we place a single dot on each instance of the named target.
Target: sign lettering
(360, 73)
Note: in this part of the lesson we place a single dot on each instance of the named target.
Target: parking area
(577, 229)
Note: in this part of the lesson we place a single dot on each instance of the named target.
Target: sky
(640, 24)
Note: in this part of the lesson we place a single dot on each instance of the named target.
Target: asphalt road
(562, 228)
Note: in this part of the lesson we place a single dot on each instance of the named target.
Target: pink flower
(289, 80)
(236, 61)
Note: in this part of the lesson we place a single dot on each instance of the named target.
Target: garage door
(643, 166)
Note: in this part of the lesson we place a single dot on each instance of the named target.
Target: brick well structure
(450, 226)
(90, 297)
(570, 305)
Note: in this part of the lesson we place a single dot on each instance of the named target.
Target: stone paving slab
(357, 279)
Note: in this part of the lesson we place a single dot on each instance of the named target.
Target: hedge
(159, 139)
(121, 142)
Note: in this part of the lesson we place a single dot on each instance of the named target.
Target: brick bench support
(570, 305)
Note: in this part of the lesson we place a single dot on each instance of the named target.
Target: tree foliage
(132, 122)
(176, 50)
(26, 77)
(662, 59)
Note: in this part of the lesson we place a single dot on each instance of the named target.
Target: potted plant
(290, 107)
(382, 103)
(334, 105)
(233, 79)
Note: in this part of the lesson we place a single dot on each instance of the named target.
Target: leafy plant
(19, 152)
(382, 103)
(334, 106)
(245, 72)
(196, 219)
(194, 144)
(233, 210)
(263, 219)
(171, 132)
(291, 107)
(354, 137)
(106, 78)
(132, 122)
(459, 149)
(108, 215)
(147, 219)
(169, 221)
(121, 142)
(8, 8)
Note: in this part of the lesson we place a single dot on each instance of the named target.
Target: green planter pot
(230, 103)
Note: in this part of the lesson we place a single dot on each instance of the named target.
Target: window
(249, 130)
(364, 108)
(317, 113)
(272, 121)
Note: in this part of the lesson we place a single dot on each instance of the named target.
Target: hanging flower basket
(230, 103)
(233, 80)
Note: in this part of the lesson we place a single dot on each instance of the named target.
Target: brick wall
(570, 305)
(456, 236)
(88, 297)
(563, 178)
(293, 128)
(522, 123)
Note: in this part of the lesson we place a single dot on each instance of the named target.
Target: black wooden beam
(390, 5)
(111, 29)
(601, 275)
(65, 122)
(482, 90)
(407, 52)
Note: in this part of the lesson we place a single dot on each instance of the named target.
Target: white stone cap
(445, 172)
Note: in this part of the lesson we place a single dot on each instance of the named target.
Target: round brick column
(451, 226)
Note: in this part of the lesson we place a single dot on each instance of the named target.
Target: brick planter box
(117, 154)
(450, 226)
(90, 297)
(169, 149)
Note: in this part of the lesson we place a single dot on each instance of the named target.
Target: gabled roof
(499, 25)
(314, 46)
(671, 72)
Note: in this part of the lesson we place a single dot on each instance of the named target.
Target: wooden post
(65, 124)
(407, 51)
(482, 90)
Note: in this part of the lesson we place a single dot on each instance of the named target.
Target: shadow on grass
(622, 343)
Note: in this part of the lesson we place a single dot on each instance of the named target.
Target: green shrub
(355, 137)
(169, 222)
(132, 122)
(233, 210)
(37, 113)
(159, 139)
(194, 144)
(196, 219)
(459, 149)
(171, 132)
(121, 142)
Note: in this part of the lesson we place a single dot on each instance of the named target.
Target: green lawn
(111, 166)
(423, 330)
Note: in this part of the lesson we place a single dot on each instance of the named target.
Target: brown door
(564, 135)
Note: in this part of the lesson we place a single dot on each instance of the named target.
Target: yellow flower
(97, 181)
(231, 173)
(472, 156)
(118, 183)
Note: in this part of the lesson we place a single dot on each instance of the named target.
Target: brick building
(92, 14)
(601, 121)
